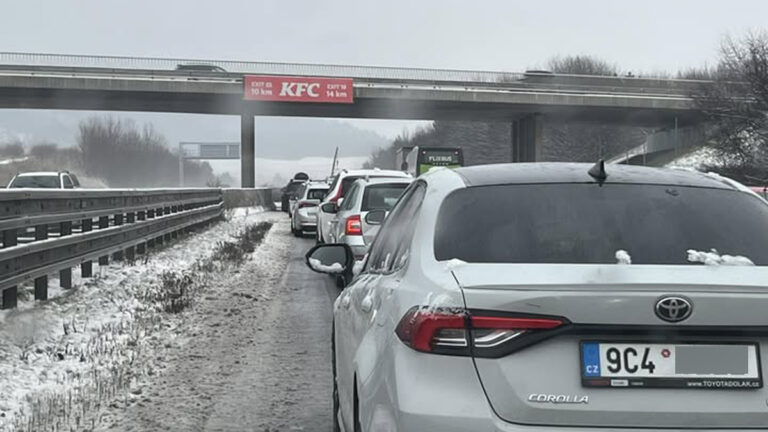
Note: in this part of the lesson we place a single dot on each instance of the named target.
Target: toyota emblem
(673, 308)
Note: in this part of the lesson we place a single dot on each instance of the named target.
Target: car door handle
(367, 304)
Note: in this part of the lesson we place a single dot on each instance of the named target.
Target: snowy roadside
(61, 358)
(253, 355)
(202, 374)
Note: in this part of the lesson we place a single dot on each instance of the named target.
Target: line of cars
(338, 211)
(558, 297)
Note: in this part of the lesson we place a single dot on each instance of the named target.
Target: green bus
(418, 160)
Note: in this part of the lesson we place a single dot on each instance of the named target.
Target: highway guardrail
(45, 231)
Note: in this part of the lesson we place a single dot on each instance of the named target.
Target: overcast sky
(641, 35)
(479, 34)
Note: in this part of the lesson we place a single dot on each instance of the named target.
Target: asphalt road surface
(255, 355)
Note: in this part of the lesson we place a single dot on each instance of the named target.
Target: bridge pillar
(527, 138)
(247, 150)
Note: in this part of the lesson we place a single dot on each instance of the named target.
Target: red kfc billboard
(298, 89)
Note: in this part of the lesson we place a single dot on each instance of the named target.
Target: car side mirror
(375, 217)
(329, 208)
(331, 258)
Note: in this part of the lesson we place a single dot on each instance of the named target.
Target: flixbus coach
(419, 160)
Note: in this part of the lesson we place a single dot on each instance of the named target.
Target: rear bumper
(416, 422)
(356, 243)
(427, 401)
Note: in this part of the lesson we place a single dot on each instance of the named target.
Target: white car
(304, 207)
(44, 180)
(556, 297)
(339, 188)
(365, 195)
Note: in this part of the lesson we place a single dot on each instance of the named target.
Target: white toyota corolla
(556, 297)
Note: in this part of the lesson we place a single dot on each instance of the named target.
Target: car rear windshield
(316, 194)
(382, 196)
(586, 223)
(48, 182)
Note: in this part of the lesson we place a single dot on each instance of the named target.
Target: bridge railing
(459, 76)
(48, 231)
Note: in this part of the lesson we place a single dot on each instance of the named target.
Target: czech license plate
(670, 365)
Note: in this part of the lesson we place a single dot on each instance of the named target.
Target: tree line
(112, 152)
(126, 155)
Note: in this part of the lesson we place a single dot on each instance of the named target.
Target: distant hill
(276, 137)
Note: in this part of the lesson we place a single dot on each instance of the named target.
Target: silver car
(338, 190)
(556, 297)
(365, 195)
(44, 180)
(303, 209)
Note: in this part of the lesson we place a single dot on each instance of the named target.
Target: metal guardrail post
(65, 275)
(130, 251)
(151, 215)
(10, 294)
(103, 223)
(86, 268)
(141, 248)
(41, 282)
(118, 220)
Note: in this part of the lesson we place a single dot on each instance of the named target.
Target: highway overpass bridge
(48, 81)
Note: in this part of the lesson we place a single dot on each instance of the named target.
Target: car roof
(560, 172)
(384, 180)
(40, 173)
(374, 173)
(317, 185)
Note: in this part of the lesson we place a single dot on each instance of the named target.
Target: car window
(391, 248)
(334, 182)
(67, 182)
(587, 224)
(351, 198)
(42, 181)
(382, 196)
(316, 194)
(75, 181)
(346, 183)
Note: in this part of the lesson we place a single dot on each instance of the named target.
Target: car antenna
(598, 172)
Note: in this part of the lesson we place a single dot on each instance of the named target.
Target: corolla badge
(558, 399)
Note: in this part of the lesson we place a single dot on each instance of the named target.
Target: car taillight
(354, 226)
(307, 204)
(446, 331)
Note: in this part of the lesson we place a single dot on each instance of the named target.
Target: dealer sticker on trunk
(673, 365)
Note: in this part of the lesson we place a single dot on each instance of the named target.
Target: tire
(336, 406)
(358, 427)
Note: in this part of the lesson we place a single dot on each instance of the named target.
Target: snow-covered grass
(61, 358)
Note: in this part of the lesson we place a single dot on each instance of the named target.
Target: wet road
(254, 356)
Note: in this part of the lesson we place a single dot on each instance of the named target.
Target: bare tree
(586, 142)
(582, 65)
(736, 103)
(124, 155)
(14, 150)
